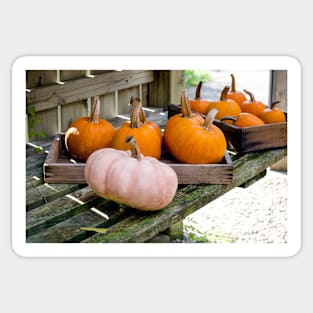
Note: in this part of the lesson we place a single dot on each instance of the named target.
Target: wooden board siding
(59, 104)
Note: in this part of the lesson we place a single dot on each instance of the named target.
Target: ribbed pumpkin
(191, 139)
(147, 133)
(252, 106)
(273, 115)
(198, 104)
(87, 134)
(235, 94)
(127, 177)
(224, 106)
(244, 119)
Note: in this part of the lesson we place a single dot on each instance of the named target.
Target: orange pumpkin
(191, 139)
(252, 106)
(87, 134)
(128, 177)
(224, 106)
(244, 119)
(198, 104)
(273, 115)
(235, 94)
(147, 133)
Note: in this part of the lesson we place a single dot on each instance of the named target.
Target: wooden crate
(255, 138)
(60, 167)
(248, 139)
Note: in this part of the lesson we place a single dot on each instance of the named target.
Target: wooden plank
(202, 173)
(279, 88)
(60, 209)
(79, 89)
(177, 85)
(67, 226)
(159, 90)
(141, 227)
(37, 195)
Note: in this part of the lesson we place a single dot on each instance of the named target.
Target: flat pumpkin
(191, 139)
(273, 114)
(224, 106)
(87, 134)
(199, 105)
(128, 177)
(147, 133)
(244, 119)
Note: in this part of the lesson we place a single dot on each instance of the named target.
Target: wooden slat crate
(60, 167)
(255, 138)
(248, 139)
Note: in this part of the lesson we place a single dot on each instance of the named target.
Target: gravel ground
(257, 214)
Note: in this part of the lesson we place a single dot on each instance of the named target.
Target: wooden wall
(58, 97)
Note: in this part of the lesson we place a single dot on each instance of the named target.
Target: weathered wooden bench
(66, 212)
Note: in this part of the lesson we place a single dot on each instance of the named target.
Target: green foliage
(192, 77)
(32, 121)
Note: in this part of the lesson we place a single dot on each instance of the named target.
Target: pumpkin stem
(134, 149)
(185, 105)
(198, 91)
(135, 102)
(274, 104)
(95, 110)
(251, 95)
(209, 119)
(233, 83)
(224, 93)
(232, 118)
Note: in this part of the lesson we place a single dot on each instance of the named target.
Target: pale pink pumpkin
(127, 177)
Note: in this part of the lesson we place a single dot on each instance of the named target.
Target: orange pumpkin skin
(191, 139)
(273, 115)
(199, 105)
(147, 134)
(234, 94)
(224, 106)
(252, 106)
(130, 178)
(87, 134)
(244, 119)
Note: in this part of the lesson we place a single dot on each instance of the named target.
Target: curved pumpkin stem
(185, 105)
(95, 110)
(134, 102)
(198, 91)
(251, 95)
(209, 119)
(227, 118)
(274, 104)
(233, 83)
(134, 149)
(224, 93)
(135, 121)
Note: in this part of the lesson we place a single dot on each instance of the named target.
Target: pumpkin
(128, 177)
(198, 104)
(235, 94)
(273, 115)
(244, 119)
(224, 106)
(147, 133)
(87, 134)
(191, 139)
(252, 106)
